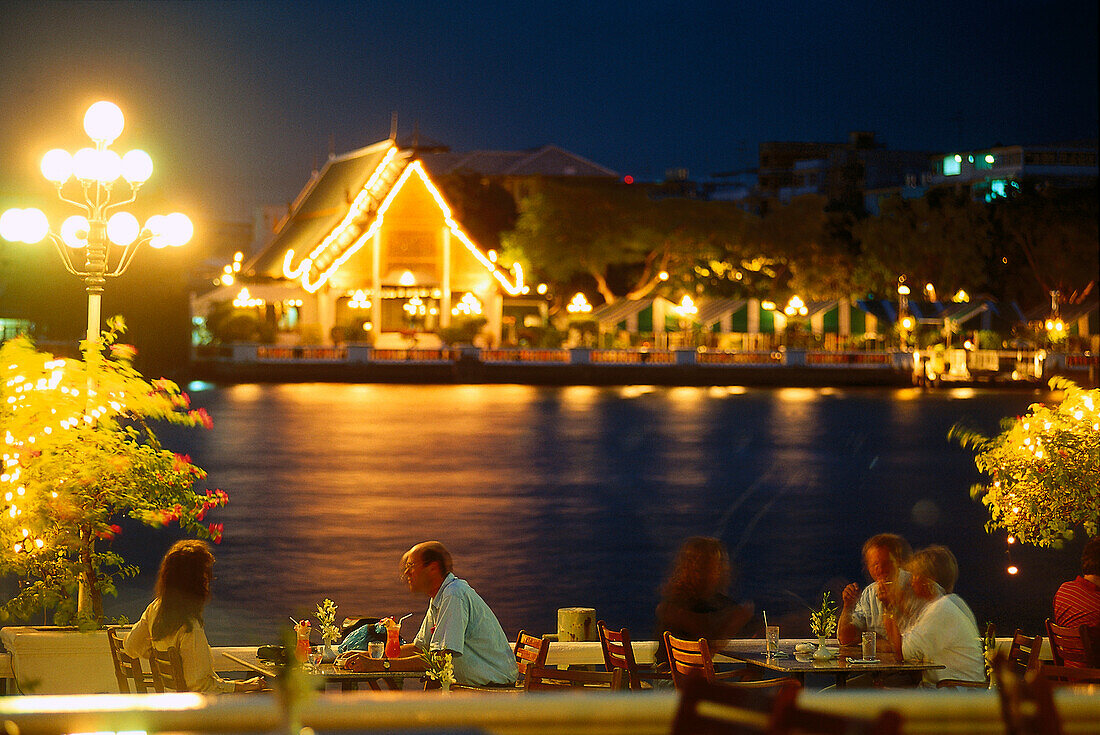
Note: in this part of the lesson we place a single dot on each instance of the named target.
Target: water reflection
(554, 497)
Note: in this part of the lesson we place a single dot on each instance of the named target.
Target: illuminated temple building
(371, 249)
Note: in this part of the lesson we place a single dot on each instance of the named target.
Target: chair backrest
(530, 651)
(1069, 675)
(688, 660)
(1027, 704)
(707, 708)
(1024, 653)
(128, 670)
(618, 654)
(167, 669)
(789, 719)
(551, 677)
(1072, 646)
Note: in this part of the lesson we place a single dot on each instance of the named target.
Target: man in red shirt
(1077, 602)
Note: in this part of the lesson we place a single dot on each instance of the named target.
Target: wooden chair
(1027, 704)
(708, 708)
(167, 669)
(128, 669)
(1069, 675)
(530, 651)
(1072, 646)
(1024, 653)
(550, 677)
(618, 655)
(789, 719)
(692, 659)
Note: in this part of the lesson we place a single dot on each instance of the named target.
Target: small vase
(446, 686)
(329, 654)
(822, 653)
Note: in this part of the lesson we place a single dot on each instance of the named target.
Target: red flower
(201, 416)
(216, 532)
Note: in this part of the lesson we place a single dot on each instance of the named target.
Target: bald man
(457, 621)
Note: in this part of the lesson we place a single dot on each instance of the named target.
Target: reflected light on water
(962, 393)
(578, 496)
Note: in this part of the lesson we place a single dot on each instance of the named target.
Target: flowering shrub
(1043, 468)
(78, 454)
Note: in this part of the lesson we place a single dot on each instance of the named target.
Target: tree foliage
(79, 455)
(943, 238)
(1043, 469)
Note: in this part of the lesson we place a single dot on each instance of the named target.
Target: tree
(802, 240)
(1043, 468)
(1050, 238)
(944, 238)
(80, 454)
(618, 236)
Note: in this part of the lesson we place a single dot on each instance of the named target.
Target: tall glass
(771, 638)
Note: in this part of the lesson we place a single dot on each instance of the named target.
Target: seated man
(889, 593)
(945, 631)
(458, 621)
(1077, 602)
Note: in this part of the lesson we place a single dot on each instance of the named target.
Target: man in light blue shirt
(458, 620)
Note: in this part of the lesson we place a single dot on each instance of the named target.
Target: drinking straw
(404, 617)
(765, 618)
(296, 622)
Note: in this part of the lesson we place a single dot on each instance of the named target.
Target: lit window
(951, 165)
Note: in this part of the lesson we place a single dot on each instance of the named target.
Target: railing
(559, 355)
(739, 358)
(265, 352)
(412, 355)
(632, 357)
(850, 359)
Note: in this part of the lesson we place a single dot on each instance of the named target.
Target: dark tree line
(616, 240)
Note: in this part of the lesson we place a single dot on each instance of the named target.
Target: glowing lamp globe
(57, 166)
(10, 225)
(178, 229)
(103, 122)
(86, 164)
(122, 228)
(137, 167)
(32, 226)
(108, 166)
(74, 231)
(155, 226)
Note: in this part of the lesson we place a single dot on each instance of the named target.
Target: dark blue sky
(236, 100)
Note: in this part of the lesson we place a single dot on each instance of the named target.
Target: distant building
(371, 250)
(995, 172)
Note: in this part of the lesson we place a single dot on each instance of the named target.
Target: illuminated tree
(79, 455)
(1043, 468)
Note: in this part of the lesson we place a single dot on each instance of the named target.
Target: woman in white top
(945, 631)
(174, 618)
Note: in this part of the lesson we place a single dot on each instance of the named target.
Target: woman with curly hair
(175, 618)
(694, 601)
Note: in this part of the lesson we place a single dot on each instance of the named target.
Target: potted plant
(80, 454)
(823, 624)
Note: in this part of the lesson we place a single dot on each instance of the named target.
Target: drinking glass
(375, 649)
(868, 642)
(316, 653)
(771, 636)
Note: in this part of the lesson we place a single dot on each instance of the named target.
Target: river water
(579, 496)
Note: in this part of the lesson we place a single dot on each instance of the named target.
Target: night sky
(237, 101)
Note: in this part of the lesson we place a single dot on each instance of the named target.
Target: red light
(628, 179)
(1012, 569)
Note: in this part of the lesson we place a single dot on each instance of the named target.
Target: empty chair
(1024, 653)
(618, 655)
(128, 670)
(551, 677)
(789, 719)
(1027, 704)
(167, 669)
(1072, 646)
(1069, 675)
(692, 659)
(530, 652)
(708, 708)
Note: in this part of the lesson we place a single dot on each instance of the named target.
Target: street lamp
(109, 241)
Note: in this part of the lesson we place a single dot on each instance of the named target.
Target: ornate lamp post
(109, 240)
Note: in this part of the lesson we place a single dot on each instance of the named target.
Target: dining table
(329, 673)
(845, 663)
